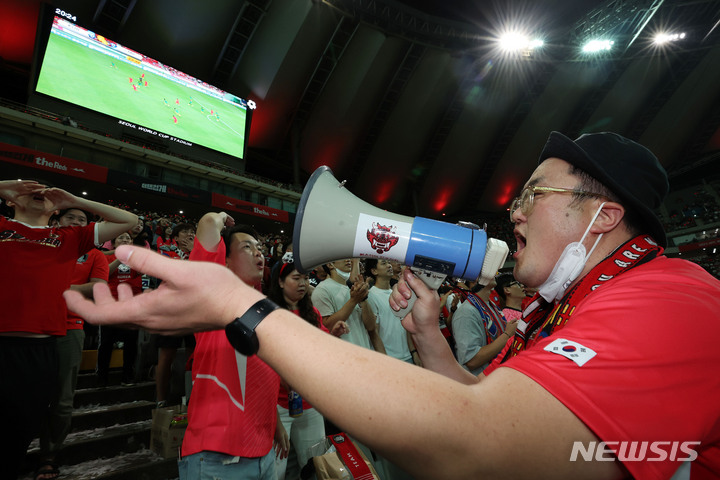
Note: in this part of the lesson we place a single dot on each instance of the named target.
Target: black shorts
(169, 341)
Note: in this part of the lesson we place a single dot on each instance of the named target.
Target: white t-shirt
(329, 297)
(391, 331)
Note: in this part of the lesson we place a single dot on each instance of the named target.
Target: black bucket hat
(628, 169)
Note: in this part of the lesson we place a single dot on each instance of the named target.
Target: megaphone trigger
(431, 279)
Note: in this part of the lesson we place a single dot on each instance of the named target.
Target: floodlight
(517, 42)
(513, 41)
(663, 38)
(594, 46)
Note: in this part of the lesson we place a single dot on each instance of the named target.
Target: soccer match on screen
(94, 72)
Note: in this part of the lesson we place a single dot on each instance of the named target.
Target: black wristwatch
(241, 332)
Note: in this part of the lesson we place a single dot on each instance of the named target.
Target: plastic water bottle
(295, 406)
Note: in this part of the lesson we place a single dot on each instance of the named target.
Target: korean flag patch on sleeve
(579, 354)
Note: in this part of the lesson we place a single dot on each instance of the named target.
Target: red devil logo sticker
(382, 238)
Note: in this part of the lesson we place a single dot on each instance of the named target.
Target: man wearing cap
(611, 374)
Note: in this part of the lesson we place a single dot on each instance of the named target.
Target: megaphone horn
(331, 224)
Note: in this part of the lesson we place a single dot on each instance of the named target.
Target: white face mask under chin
(345, 275)
(568, 266)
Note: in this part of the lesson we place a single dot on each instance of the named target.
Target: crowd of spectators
(272, 245)
(498, 226)
(708, 260)
(696, 207)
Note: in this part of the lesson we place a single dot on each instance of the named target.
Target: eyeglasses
(512, 284)
(527, 197)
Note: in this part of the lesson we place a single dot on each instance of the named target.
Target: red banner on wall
(229, 203)
(52, 163)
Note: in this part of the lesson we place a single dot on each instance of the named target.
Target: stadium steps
(110, 434)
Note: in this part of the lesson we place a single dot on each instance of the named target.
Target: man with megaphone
(596, 383)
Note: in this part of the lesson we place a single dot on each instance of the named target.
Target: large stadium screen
(87, 69)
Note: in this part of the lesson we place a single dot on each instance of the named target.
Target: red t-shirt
(160, 242)
(283, 400)
(654, 331)
(37, 265)
(124, 274)
(91, 265)
(232, 409)
(511, 314)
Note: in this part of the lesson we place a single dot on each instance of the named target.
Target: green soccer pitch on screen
(94, 72)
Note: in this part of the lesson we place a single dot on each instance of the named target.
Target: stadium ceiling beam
(111, 15)
(609, 19)
(646, 19)
(250, 15)
(398, 19)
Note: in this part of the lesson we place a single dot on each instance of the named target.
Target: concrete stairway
(110, 435)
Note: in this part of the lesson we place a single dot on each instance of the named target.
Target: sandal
(47, 471)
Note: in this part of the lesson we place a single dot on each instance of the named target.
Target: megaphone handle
(432, 279)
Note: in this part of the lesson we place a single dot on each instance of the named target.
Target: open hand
(194, 296)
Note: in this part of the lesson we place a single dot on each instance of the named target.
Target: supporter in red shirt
(159, 226)
(179, 243)
(37, 264)
(165, 239)
(90, 268)
(232, 415)
(119, 273)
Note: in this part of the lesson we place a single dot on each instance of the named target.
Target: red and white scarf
(542, 319)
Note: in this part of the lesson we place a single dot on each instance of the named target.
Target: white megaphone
(331, 224)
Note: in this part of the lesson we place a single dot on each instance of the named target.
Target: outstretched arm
(431, 425)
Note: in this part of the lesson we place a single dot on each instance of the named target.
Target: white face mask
(344, 275)
(568, 266)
